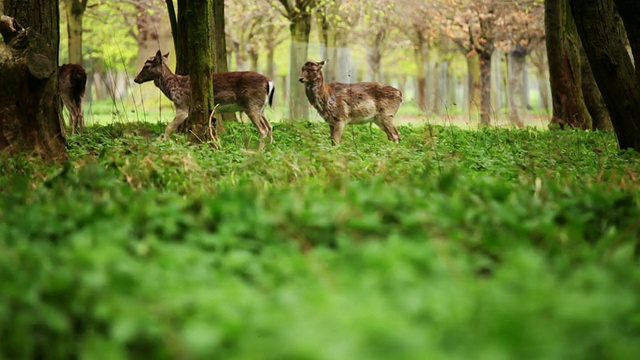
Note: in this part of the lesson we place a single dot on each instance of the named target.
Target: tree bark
(517, 106)
(75, 12)
(563, 44)
(199, 28)
(597, 23)
(30, 106)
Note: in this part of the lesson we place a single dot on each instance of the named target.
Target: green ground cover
(453, 244)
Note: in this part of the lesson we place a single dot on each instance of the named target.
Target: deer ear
(158, 54)
(166, 56)
(323, 62)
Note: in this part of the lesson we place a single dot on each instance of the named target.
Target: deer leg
(256, 119)
(336, 130)
(387, 126)
(181, 115)
(269, 128)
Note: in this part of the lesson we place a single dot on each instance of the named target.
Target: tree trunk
(271, 64)
(475, 90)
(200, 15)
(516, 86)
(592, 97)
(374, 57)
(75, 11)
(180, 41)
(611, 65)
(421, 75)
(300, 29)
(563, 55)
(485, 88)
(30, 106)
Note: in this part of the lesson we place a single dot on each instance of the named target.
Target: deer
(73, 82)
(246, 91)
(340, 104)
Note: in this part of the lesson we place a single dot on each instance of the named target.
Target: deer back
(240, 89)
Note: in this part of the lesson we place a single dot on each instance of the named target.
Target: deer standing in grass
(73, 82)
(340, 104)
(246, 91)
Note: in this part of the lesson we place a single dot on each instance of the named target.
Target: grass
(497, 243)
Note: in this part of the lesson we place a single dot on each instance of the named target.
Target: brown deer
(73, 82)
(235, 91)
(340, 104)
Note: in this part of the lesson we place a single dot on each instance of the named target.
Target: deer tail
(271, 89)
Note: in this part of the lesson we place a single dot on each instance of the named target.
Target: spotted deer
(73, 82)
(340, 104)
(246, 91)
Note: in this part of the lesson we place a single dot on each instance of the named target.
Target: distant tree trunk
(300, 29)
(597, 23)
(75, 11)
(154, 34)
(30, 106)
(421, 73)
(374, 56)
(200, 30)
(271, 64)
(539, 60)
(563, 55)
(475, 88)
(516, 65)
(485, 88)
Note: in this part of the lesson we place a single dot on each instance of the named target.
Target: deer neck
(318, 95)
(168, 83)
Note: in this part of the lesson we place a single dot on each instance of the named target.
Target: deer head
(312, 72)
(152, 68)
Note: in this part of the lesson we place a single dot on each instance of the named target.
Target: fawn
(73, 82)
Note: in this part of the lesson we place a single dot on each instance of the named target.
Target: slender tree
(75, 12)
(30, 106)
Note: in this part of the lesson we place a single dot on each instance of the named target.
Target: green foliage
(497, 243)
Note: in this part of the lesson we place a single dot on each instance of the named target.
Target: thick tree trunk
(30, 106)
(598, 22)
(517, 106)
(485, 88)
(200, 15)
(563, 55)
(300, 29)
(475, 90)
(75, 11)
